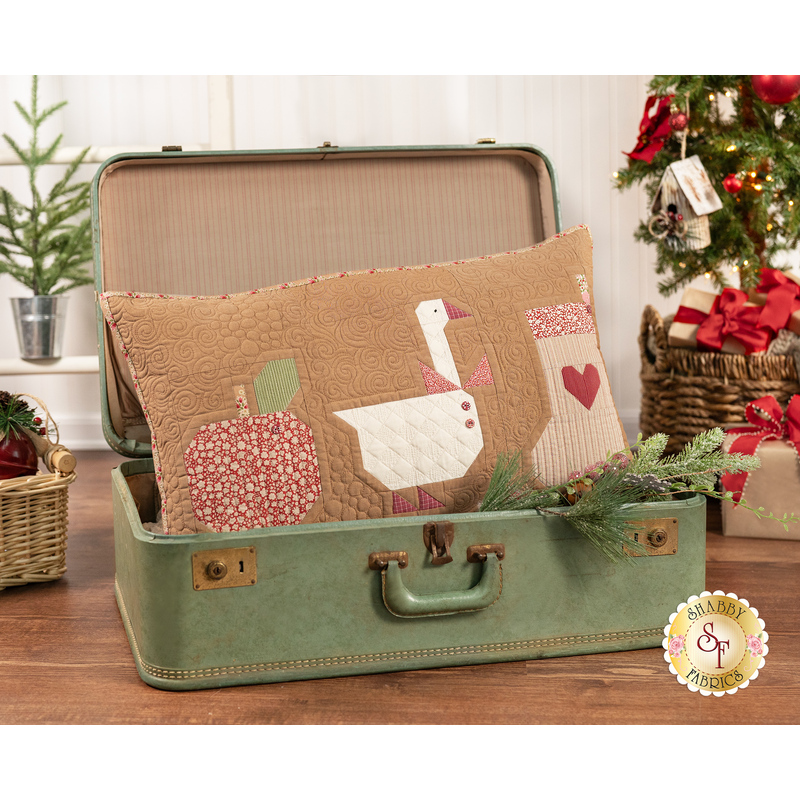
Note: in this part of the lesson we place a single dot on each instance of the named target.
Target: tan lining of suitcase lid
(207, 226)
(214, 225)
(401, 655)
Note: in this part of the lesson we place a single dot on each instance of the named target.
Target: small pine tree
(40, 245)
(758, 142)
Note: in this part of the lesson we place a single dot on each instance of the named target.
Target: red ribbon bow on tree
(770, 422)
(728, 317)
(654, 129)
(783, 299)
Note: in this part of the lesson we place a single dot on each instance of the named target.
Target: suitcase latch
(224, 568)
(438, 537)
(659, 536)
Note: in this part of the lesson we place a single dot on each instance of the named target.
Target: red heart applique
(582, 387)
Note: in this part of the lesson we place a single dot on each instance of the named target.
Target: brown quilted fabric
(357, 342)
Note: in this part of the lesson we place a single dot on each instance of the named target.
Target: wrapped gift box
(789, 317)
(775, 487)
(684, 334)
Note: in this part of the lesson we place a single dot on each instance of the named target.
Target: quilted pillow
(369, 394)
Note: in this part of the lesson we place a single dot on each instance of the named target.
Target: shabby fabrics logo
(715, 643)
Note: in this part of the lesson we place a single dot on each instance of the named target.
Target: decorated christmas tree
(719, 156)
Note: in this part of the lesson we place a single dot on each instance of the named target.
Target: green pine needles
(15, 414)
(598, 503)
(41, 245)
(733, 132)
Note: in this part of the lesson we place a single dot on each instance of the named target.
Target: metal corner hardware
(224, 569)
(659, 536)
(379, 561)
(169, 148)
(438, 537)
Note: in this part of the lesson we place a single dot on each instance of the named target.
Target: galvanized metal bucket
(40, 325)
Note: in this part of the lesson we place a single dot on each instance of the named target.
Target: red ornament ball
(776, 89)
(678, 121)
(17, 456)
(731, 183)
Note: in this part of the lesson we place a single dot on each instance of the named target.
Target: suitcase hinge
(438, 537)
(168, 148)
(379, 561)
(478, 553)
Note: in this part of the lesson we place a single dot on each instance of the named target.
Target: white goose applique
(427, 439)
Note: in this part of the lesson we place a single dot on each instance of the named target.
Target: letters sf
(709, 643)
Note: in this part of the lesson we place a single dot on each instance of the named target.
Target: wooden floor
(64, 656)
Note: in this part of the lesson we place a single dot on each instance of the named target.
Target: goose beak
(453, 312)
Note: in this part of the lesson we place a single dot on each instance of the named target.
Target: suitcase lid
(210, 223)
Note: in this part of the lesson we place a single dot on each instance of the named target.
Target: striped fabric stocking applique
(583, 427)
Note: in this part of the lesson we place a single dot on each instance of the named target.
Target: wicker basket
(685, 391)
(33, 519)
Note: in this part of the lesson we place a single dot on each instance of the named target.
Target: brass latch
(224, 569)
(486, 140)
(659, 536)
(438, 536)
(328, 145)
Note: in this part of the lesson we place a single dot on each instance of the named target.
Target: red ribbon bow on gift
(770, 422)
(728, 317)
(654, 130)
(783, 299)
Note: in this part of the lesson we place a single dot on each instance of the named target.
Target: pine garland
(756, 140)
(597, 503)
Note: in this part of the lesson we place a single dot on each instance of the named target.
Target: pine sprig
(41, 245)
(696, 468)
(598, 502)
(512, 488)
(14, 415)
(599, 515)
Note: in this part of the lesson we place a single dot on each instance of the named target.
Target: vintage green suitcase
(330, 599)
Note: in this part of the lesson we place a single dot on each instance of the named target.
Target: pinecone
(19, 405)
(647, 483)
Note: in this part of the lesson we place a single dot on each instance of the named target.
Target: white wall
(582, 122)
